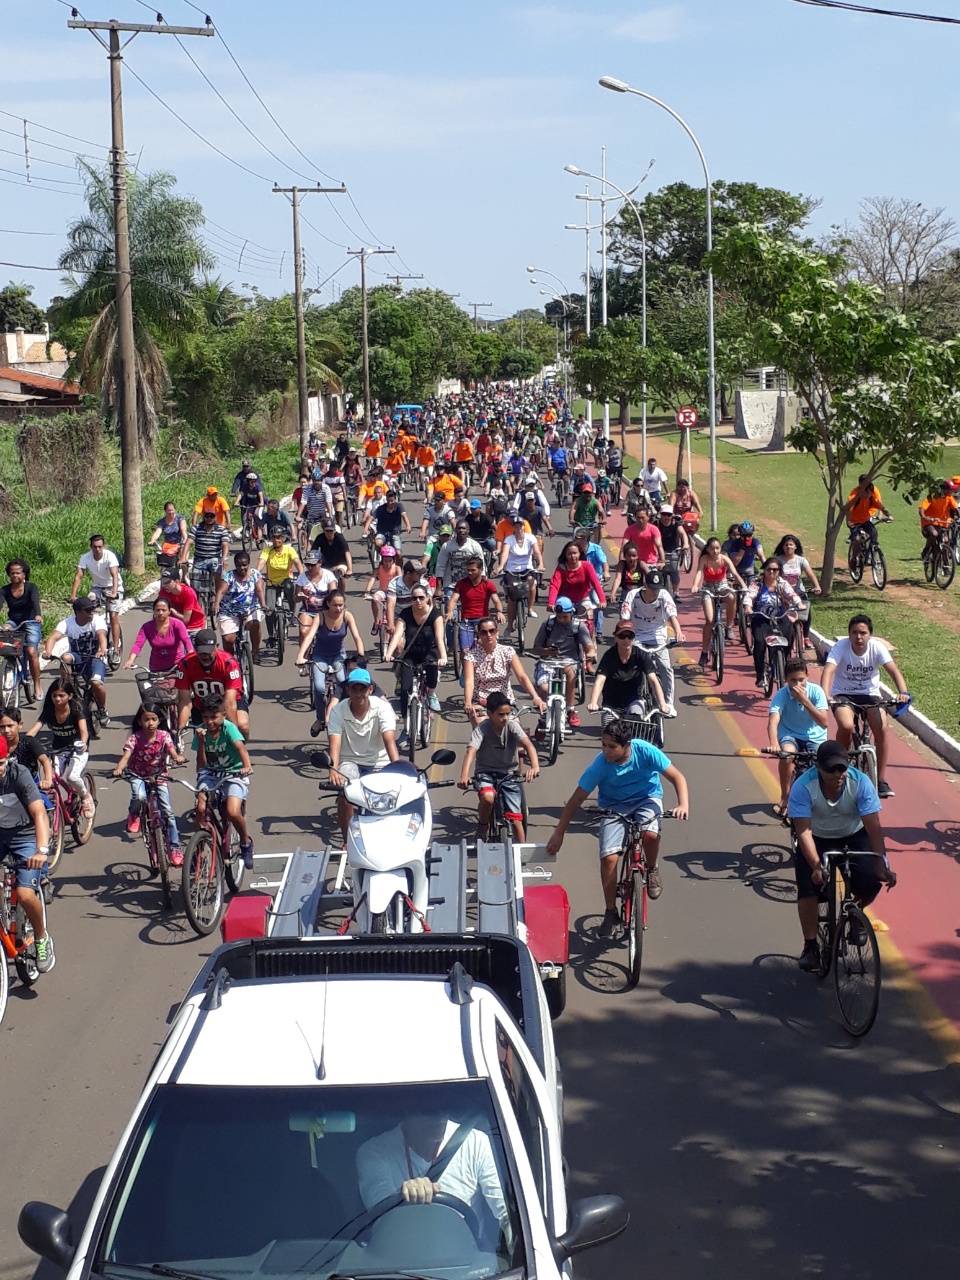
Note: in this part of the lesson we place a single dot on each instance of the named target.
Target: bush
(62, 459)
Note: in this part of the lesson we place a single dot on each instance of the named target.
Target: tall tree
(166, 259)
(17, 311)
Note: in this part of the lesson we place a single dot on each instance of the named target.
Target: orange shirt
(410, 445)
(463, 451)
(218, 505)
(446, 484)
(505, 528)
(425, 456)
(394, 462)
(367, 488)
(938, 509)
(864, 508)
(372, 448)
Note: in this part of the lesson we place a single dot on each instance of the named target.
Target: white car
(343, 1107)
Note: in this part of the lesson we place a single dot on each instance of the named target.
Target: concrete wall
(787, 417)
(756, 413)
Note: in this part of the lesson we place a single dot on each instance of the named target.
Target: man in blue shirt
(557, 461)
(797, 721)
(834, 806)
(626, 776)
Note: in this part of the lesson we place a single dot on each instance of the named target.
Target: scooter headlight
(380, 801)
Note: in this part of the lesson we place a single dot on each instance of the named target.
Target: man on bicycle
(834, 806)
(270, 517)
(86, 634)
(222, 753)
(211, 670)
(210, 542)
(863, 503)
(280, 565)
(248, 490)
(852, 672)
(626, 776)
(567, 638)
(653, 613)
(104, 569)
(475, 595)
(317, 503)
(936, 512)
(674, 539)
(25, 841)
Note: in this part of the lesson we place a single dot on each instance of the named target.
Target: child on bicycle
(493, 752)
(145, 754)
(221, 751)
(627, 776)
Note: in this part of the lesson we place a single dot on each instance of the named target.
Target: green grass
(53, 542)
(783, 492)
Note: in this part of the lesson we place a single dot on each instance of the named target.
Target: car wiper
(155, 1269)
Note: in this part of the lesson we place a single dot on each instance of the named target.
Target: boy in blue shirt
(626, 776)
(797, 721)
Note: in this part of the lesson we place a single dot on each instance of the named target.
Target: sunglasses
(418, 597)
(836, 769)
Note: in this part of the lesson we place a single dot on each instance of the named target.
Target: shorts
(95, 669)
(864, 880)
(509, 792)
(114, 604)
(801, 744)
(541, 673)
(32, 633)
(17, 845)
(230, 622)
(858, 699)
(613, 832)
(235, 789)
(468, 632)
(196, 715)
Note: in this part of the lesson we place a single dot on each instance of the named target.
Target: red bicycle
(16, 937)
(211, 854)
(67, 811)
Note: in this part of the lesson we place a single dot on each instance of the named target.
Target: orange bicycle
(16, 937)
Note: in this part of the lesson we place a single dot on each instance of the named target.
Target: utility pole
(397, 279)
(129, 432)
(476, 306)
(303, 391)
(363, 255)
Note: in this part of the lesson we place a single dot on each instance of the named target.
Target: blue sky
(451, 123)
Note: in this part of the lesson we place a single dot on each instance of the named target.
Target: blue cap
(359, 675)
(476, 504)
(565, 605)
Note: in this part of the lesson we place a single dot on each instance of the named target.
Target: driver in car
(410, 1160)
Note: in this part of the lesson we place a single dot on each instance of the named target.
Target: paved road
(749, 1134)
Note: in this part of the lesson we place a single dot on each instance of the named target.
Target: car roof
(363, 1032)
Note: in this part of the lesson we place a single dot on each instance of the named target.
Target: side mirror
(593, 1221)
(46, 1230)
(320, 759)
(443, 757)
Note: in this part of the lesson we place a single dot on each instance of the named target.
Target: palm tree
(166, 256)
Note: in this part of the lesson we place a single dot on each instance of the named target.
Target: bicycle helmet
(278, 531)
(746, 528)
(387, 550)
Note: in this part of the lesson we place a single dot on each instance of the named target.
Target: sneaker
(532, 613)
(46, 956)
(884, 789)
(433, 702)
(104, 719)
(760, 682)
(610, 924)
(246, 852)
(176, 857)
(670, 711)
(703, 661)
(133, 824)
(573, 720)
(729, 633)
(374, 629)
(809, 960)
(654, 883)
(88, 808)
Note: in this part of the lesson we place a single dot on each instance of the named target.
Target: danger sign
(687, 417)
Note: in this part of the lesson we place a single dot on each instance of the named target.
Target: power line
(28, 266)
(64, 182)
(61, 164)
(884, 13)
(7, 231)
(59, 132)
(35, 186)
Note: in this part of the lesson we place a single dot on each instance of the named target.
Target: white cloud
(658, 25)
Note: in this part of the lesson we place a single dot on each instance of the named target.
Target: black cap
(830, 753)
(205, 640)
(327, 523)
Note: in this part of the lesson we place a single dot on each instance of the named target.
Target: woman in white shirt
(520, 555)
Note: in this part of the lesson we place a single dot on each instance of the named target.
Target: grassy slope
(52, 543)
(781, 492)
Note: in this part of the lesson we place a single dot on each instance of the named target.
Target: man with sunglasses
(834, 806)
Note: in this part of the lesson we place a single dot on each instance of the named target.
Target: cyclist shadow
(599, 964)
(129, 889)
(759, 866)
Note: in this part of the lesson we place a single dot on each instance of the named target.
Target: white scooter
(387, 843)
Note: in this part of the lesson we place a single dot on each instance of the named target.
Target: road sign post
(686, 418)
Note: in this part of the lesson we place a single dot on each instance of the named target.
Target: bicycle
(331, 691)
(76, 671)
(517, 589)
(420, 716)
(16, 936)
(632, 897)
(848, 944)
(616, 486)
(206, 865)
(153, 830)
(864, 551)
(561, 487)
(743, 622)
(277, 619)
(380, 634)
(16, 680)
(555, 716)
(499, 828)
(862, 748)
(939, 563)
(248, 529)
(204, 583)
(718, 634)
(67, 811)
(160, 687)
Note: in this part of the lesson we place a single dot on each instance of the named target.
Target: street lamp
(581, 173)
(588, 226)
(620, 86)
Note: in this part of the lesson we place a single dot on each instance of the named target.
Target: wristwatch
(43, 848)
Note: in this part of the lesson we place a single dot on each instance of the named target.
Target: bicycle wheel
(553, 734)
(4, 983)
(878, 567)
(856, 970)
(245, 662)
(929, 557)
(955, 543)
(414, 716)
(92, 715)
(456, 654)
(382, 640)
(202, 883)
(580, 686)
(55, 852)
(638, 892)
(799, 642)
(26, 962)
(522, 608)
(233, 867)
(745, 629)
(944, 566)
(778, 671)
(157, 836)
(719, 647)
(825, 930)
(280, 634)
(81, 828)
(868, 762)
(686, 558)
(855, 561)
(555, 989)
(246, 534)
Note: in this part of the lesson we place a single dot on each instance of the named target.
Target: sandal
(780, 811)
(316, 729)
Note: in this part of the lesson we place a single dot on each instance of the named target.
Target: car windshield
(245, 1182)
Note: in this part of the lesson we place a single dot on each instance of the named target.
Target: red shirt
(187, 603)
(223, 675)
(474, 600)
(483, 444)
(648, 542)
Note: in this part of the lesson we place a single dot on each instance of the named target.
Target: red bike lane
(919, 921)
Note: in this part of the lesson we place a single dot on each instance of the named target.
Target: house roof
(37, 352)
(40, 381)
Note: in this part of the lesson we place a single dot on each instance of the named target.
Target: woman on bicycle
(168, 638)
(794, 565)
(326, 639)
(714, 574)
(419, 635)
(576, 578)
(21, 599)
(628, 575)
(313, 587)
(623, 675)
(62, 716)
(376, 589)
(771, 606)
(146, 753)
(686, 506)
(489, 666)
